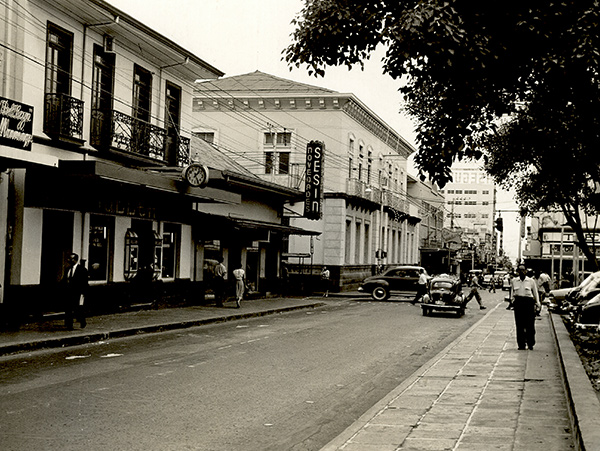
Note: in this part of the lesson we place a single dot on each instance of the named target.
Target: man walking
(421, 286)
(74, 284)
(475, 292)
(525, 300)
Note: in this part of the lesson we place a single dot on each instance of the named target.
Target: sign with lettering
(16, 124)
(313, 187)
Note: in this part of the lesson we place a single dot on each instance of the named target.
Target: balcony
(63, 117)
(117, 131)
(360, 189)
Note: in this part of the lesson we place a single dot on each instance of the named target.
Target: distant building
(549, 246)
(470, 210)
(364, 216)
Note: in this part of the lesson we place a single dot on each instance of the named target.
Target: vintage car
(444, 294)
(400, 279)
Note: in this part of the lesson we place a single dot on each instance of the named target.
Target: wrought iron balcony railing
(63, 116)
(113, 129)
(182, 151)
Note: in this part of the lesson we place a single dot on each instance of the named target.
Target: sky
(242, 36)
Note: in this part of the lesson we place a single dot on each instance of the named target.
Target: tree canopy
(514, 83)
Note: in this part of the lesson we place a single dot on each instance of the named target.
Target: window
(350, 156)
(277, 147)
(101, 233)
(58, 60)
(142, 93)
(170, 244)
(470, 191)
(458, 191)
(172, 122)
(450, 191)
(103, 74)
(63, 114)
(209, 137)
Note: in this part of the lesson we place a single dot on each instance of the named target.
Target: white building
(470, 209)
(266, 123)
(96, 112)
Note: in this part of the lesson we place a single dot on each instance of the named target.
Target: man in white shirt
(421, 286)
(525, 301)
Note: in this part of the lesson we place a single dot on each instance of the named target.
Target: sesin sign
(314, 190)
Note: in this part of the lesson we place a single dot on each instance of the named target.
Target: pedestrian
(492, 283)
(421, 286)
(525, 301)
(74, 286)
(325, 279)
(240, 285)
(219, 282)
(474, 293)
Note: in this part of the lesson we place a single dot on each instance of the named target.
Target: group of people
(526, 294)
(220, 283)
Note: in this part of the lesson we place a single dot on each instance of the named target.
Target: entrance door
(57, 243)
(146, 242)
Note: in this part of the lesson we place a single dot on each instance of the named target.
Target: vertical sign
(313, 194)
(16, 124)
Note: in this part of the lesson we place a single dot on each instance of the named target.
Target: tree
(514, 84)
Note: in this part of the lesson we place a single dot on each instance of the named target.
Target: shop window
(101, 233)
(131, 265)
(170, 241)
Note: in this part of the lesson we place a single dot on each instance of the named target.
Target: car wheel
(380, 294)
(425, 311)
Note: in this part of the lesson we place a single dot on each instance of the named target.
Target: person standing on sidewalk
(240, 285)
(220, 281)
(421, 286)
(74, 285)
(474, 293)
(525, 300)
(325, 280)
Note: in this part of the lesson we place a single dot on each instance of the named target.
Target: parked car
(587, 314)
(562, 299)
(444, 294)
(399, 278)
(498, 277)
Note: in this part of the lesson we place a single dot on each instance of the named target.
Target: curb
(120, 333)
(584, 406)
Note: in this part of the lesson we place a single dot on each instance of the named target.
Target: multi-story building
(435, 255)
(550, 245)
(266, 124)
(470, 209)
(95, 122)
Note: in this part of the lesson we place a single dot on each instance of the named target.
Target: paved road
(284, 382)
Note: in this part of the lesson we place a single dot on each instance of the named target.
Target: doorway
(57, 243)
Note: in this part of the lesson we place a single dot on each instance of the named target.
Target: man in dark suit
(75, 284)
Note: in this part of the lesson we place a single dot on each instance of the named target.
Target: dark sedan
(399, 278)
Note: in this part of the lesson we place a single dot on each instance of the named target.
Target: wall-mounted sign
(314, 190)
(16, 124)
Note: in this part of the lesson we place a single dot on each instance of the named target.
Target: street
(283, 382)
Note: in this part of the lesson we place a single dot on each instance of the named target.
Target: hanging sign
(16, 124)
(314, 191)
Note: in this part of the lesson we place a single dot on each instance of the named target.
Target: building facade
(266, 123)
(95, 147)
(549, 245)
(470, 209)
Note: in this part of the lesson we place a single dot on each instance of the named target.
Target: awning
(147, 179)
(263, 225)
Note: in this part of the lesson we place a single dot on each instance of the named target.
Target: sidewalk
(482, 393)
(52, 333)
(478, 393)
